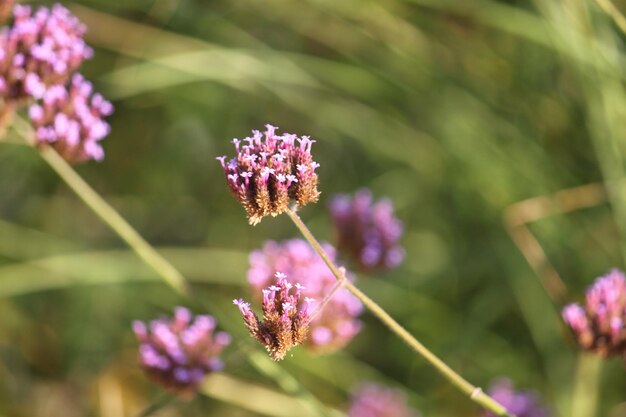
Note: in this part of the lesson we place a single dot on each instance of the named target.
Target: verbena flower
(178, 353)
(39, 50)
(269, 171)
(71, 120)
(337, 323)
(366, 230)
(286, 317)
(518, 403)
(372, 400)
(599, 326)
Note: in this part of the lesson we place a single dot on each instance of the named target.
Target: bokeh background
(455, 110)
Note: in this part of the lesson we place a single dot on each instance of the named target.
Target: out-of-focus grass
(455, 110)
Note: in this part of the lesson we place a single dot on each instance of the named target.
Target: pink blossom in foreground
(270, 170)
(286, 317)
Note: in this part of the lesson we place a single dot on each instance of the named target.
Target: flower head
(519, 403)
(177, 353)
(38, 50)
(286, 317)
(599, 326)
(71, 120)
(269, 171)
(337, 323)
(366, 230)
(372, 400)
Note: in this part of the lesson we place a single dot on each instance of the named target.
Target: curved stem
(108, 214)
(475, 393)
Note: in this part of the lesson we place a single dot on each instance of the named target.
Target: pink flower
(599, 325)
(269, 171)
(286, 317)
(372, 400)
(40, 49)
(71, 120)
(366, 230)
(177, 353)
(519, 403)
(337, 323)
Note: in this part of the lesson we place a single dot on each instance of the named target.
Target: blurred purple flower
(366, 230)
(270, 171)
(373, 400)
(177, 353)
(518, 403)
(72, 121)
(39, 50)
(285, 317)
(599, 325)
(337, 323)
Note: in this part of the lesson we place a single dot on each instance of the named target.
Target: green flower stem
(111, 217)
(475, 393)
(107, 213)
(586, 385)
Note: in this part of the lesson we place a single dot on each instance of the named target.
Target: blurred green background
(453, 109)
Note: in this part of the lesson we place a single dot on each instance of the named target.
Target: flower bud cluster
(518, 403)
(600, 326)
(269, 171)
(285, 317)
(372, 400)
(40, 52)
(366, 230)
(178, 353)
(337, 323)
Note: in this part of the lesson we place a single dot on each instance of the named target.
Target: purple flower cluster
(269, 171)
(285, 317)
(71, 121)
(373, 400)
(177, 353)
(40, 52)
(366, 230)
(518, 403)
(600, 326)
(337, 323)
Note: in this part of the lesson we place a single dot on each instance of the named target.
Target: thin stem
(108, 214)
(332, 292)
(586, 385)
(475, 393)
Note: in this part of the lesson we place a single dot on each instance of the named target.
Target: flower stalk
(106, 213)
(475, 393)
